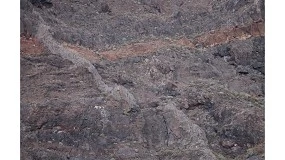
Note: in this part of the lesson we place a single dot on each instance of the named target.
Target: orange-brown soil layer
(30, 46)
(209, 39)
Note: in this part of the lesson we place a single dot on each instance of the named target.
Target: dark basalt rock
(177, 102)
(41, 3)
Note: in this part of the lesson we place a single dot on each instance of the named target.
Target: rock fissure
(118, 92)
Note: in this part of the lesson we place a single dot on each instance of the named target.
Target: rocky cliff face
(142, 79)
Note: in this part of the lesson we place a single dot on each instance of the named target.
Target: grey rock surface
(142, 79)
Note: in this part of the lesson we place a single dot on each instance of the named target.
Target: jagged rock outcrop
(142, 79)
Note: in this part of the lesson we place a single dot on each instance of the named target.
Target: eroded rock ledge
(211, 39)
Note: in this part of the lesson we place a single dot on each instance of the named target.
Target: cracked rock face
(142, 79)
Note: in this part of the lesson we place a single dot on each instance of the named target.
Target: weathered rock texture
(142, 79)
